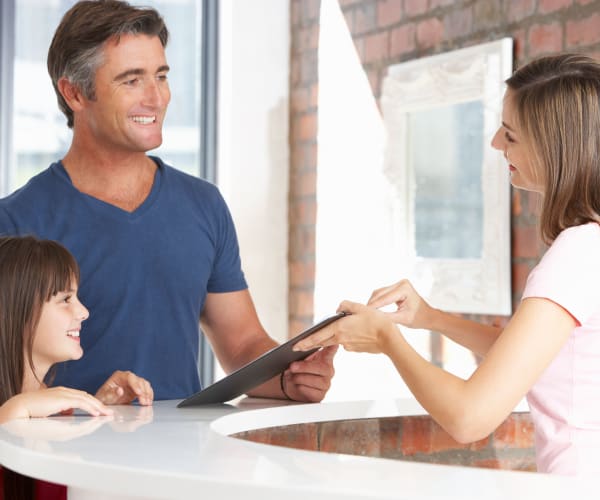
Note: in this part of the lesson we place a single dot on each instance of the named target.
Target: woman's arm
(414, 312)
(467, 409)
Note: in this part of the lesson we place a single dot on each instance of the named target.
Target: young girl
(40, 323)
(550, 349)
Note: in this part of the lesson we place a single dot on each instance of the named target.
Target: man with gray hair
(157, 248)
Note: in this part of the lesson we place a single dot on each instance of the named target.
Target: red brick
(520, 10)
(305, 127)
(303, 436)
(547, 6)
(520, 271)
(517, 207)
(545, 39)
(375, 81)
(304, 183)
(389, 12)
(376, 47)
(355, 437)
(299, 99)
(302, 241)
(583, 32)
(300, 303)
(430, 33)
(312, 9)
(365, 18)
(297, 325)
(308, 62)
(302, 274)
(415, 7)
(314, 96)
(295, 13)
(402, 40)
(525, 241)
(306, 38)
(303, 210)
(458, 23)
(516, 431)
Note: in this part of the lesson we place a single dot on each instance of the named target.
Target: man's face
(132, 95)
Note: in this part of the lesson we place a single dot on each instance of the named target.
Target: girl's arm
(414, 312)
(46, 402)
(467, 409)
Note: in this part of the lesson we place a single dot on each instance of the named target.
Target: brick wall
(387, 32)
(413, 438)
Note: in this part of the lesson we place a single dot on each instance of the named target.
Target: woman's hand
(412, 310)
(46, 402)
(365, 329)
(123, 387)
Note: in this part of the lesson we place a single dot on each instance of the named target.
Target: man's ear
(71, 94)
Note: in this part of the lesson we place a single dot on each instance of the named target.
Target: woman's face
(511, 141)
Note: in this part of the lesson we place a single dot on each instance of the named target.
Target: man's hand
(123, 387)
(309, 380)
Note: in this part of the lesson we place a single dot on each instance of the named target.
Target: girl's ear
(71, 94)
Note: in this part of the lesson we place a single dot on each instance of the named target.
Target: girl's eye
(67, 298)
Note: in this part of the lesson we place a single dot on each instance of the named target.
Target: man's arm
(231, 324)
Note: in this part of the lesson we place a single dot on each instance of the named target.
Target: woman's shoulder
(575, 236)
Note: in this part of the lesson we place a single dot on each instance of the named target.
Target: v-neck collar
(60, 170)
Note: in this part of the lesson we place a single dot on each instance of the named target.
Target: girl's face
(56, 338)
(510, 140)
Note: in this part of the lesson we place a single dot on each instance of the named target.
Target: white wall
(253, 168)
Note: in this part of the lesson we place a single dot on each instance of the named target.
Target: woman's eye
(508, 137)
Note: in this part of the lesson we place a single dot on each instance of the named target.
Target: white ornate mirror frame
(461, 244)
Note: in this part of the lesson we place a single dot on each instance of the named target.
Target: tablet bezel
(256, 372)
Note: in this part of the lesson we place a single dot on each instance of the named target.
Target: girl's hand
(46, 402)
(123, 387)
(412, 310)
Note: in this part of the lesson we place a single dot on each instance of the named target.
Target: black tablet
(256, 372)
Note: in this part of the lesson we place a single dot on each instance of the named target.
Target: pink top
(565, 401)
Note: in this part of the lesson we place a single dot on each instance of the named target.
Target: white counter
(167, 453)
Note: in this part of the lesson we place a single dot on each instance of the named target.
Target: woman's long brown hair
(31, 272)
(557, 103)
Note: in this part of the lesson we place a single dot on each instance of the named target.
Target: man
(157, 248)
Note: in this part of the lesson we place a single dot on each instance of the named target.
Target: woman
(550, 349)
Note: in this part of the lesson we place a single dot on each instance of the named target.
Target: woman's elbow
(465, 428)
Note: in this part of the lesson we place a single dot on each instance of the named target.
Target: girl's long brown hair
(557, 103)
(31, 272)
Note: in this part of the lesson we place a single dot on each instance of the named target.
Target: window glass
(40, 134)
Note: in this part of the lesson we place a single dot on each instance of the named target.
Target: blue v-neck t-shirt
(144, 274)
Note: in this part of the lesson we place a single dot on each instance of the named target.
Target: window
(35, 113)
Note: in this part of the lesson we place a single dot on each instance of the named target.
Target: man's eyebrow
(138, 72)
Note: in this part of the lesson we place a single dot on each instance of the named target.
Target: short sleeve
(227, 274)
(569, 272)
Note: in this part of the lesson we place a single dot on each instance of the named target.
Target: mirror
(452, 189)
